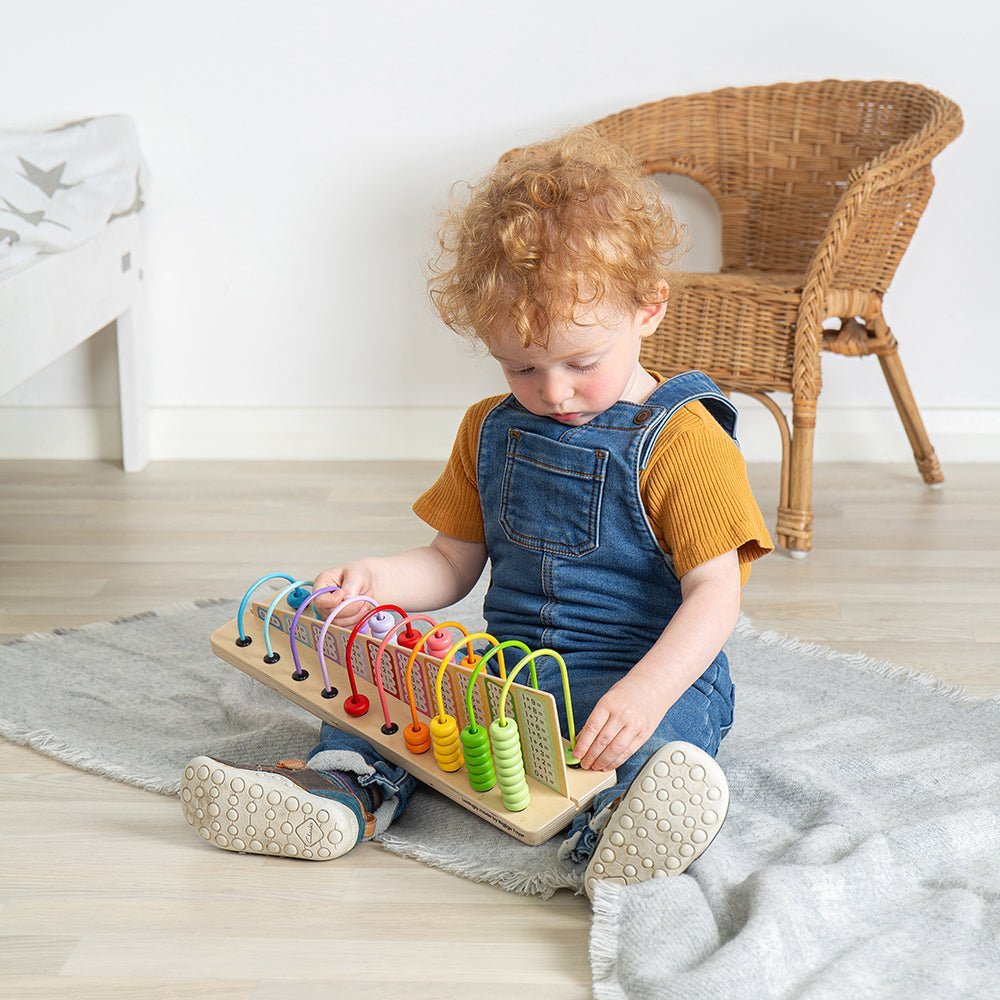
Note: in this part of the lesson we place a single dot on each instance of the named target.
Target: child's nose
(555, 390)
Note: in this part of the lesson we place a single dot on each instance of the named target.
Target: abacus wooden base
(548, 812)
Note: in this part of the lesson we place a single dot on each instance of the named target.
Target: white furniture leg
(132, 384)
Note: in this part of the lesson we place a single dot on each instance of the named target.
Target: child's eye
(519, 371)
(585, 368)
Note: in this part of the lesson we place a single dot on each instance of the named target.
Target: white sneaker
(669, 815)
(295, 813)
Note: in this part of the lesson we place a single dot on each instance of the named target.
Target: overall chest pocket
(550, 498)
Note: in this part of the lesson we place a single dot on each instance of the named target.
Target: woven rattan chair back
(779, 159)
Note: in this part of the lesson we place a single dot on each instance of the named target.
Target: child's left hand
(620, 723)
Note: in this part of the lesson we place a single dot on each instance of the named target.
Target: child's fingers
(325, 603)
(352, 582)
(352, 610)
(353, 585)
(617, 751)
(600, 752)
(588, 731)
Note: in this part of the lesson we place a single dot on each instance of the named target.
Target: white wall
(299, 153)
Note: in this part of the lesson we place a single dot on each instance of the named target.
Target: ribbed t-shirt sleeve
(697, 495)
(452, 505)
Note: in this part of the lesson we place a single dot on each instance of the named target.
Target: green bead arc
(530, 659)
(484, 659)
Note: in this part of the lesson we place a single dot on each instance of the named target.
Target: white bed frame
(51, 303)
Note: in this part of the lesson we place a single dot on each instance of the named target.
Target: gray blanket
(860, 858)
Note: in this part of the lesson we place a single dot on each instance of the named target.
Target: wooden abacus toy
(496, 745)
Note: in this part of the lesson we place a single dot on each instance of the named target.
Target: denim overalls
(575, 567)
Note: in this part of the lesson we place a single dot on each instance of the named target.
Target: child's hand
(620, 723)
(353, 579)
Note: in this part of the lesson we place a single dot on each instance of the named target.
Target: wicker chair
(820, 187)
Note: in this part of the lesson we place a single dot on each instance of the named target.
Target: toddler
(613, 507)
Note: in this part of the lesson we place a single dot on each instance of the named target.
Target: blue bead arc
(243, 641)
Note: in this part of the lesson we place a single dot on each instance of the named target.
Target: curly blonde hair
(556, 225)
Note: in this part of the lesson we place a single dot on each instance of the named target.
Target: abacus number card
(557, 793)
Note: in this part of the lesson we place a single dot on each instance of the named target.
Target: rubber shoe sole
(665, 821)
(257, 812)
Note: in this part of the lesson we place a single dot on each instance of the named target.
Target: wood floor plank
(432, 989)
(44, 953)
(40, 987)
(120, 914)
(540, 960)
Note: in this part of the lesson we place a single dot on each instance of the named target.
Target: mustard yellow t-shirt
(694, 490)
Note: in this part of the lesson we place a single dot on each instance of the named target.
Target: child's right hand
(354, 579)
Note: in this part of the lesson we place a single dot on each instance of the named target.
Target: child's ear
(650, 316)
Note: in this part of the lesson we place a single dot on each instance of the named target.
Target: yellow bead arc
(469, 661)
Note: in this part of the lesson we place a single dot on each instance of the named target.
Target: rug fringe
(525, 885)
(604, 944)
(50, 745)
(883, 668)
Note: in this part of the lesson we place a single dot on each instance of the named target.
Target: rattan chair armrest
(891, 167)
(899, 161)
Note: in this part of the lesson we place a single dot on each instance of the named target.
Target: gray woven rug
(861, 856)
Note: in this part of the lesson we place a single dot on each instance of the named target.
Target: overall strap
(686, 388)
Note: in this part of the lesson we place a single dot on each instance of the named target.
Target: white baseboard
(845, 434)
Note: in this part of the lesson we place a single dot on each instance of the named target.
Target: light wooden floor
(105, 891)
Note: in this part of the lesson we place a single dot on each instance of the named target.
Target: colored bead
(417, 738)
(447, 745)
(296, 597)
(381, 624)
(438, 643)
(478, 762)
(408, 638)
(509, 765)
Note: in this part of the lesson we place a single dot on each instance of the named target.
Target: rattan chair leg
(786, 440)
(795, 521)
(906, 406)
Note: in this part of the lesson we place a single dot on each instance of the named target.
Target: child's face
(582, 370)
